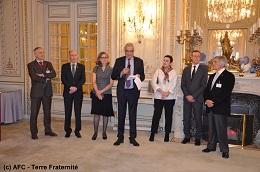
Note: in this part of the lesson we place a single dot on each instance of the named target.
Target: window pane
(83, 28)
(83, 53)
(53, 29)
(64, 28)
(93, 28)
(93, 53)
(83, 41)
(65, 41)
(54, 41)
(93, 41)
(64, 53)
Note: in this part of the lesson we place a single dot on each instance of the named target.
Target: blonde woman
(102, 94)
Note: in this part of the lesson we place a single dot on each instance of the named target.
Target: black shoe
(50, 134)
(94, 137)
(207, 150)
(104, 136)
(151, 139)
(185, 140)
(118, 142)
(166, 137)
(197, 142)
(67, 135)
(133, 141)
(77, 134)
(34, 136)
(225, 155)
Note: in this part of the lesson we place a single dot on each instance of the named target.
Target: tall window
(88, 51)
(59, 46)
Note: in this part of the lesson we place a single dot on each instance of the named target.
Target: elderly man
(127, 91)
(246, 65)
(217, 98)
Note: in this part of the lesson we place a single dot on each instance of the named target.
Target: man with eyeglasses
(127, 91)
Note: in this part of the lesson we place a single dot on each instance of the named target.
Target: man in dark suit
(73, 77)
(217, 98)
(127, 91)
(41, 72)
(193, 82)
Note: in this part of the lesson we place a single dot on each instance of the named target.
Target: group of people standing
(215, 94)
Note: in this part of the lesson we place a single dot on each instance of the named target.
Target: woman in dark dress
(102, 94)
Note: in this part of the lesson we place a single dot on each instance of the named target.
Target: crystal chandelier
(139, 19)
(229, 11)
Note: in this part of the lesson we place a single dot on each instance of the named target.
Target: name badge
(218, 85)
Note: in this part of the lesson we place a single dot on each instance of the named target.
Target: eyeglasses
(103, 57)
(129, 51)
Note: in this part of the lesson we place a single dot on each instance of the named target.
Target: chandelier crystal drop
(229, 11)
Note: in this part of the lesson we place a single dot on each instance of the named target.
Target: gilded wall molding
(173, 22)
(26, 55)
(187, 11)
(109, 26)
(11, 60)
(121, 39)
(2, 32)
(158, 33)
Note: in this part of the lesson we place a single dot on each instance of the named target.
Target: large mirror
(212, 29)
(238, 40)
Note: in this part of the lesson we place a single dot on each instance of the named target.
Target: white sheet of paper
(131, 77)
(138, 82)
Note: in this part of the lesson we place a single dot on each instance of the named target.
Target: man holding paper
(128, 70)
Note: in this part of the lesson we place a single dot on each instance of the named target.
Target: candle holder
(255, 39)
(191, 39)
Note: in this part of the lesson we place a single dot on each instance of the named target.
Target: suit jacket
(41, 85)
(197, 86)
(220, 94)
(119, 66)
(68, 80)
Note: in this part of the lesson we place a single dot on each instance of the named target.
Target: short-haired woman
(164, 84)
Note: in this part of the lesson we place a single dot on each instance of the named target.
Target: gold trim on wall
(173, 22)
(109, 27)
(10, 62)
(158, 34)
(26, 57)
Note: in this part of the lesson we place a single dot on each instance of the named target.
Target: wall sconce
(191, 37)
(138, 22)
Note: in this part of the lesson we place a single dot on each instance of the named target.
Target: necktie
(73, 70)
(193, 73)
(214, 80)
(41, 64)
(128, 83)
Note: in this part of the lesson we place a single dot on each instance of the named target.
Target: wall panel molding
(59, 11)
(87, 10)
(10, 48)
